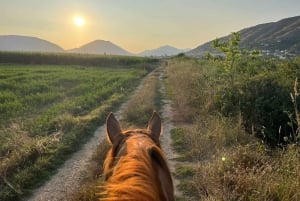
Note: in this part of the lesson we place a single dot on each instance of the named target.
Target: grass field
(47, 111)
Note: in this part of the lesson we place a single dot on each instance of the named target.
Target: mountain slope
(27, 43)
(275, 38)
(162, 51)
(100, 47)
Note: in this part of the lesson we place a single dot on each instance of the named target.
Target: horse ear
(113, 128)
(155, 125)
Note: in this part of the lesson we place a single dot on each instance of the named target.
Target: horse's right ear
(154, 125)
(113, 129)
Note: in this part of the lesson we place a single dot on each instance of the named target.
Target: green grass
(184, 172)
(47, 112)
(180, 144)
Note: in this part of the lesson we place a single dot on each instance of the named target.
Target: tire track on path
(166, 141)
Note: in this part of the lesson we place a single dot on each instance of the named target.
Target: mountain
(27, 43)
(280, 39)
(100, 47)
(163, 51)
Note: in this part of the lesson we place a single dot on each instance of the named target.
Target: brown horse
(135, 167)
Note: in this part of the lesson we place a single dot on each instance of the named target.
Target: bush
(264, 104)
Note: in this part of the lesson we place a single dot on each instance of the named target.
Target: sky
(138, 25)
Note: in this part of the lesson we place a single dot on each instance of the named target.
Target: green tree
(233, 54)
(230, 49)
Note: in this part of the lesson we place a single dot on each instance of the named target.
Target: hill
(100, 47)
(279, 39)
(27, 43)
(163, 51)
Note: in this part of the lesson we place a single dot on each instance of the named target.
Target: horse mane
(134, 175)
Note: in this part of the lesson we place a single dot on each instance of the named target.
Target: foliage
(230, 49)
(259, 89)
(233, 54)
(264, 102)
(228, 162)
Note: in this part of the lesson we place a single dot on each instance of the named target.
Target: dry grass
(21, 145)
(227, 163)
(242, 172)
(89, 189)
(248, 174)
(143, 103)
(179, 84)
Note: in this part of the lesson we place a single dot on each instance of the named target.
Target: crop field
(47, 112)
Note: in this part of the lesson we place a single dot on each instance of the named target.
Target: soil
(70, 175)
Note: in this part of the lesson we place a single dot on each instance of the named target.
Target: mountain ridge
(279, 39)
(165, 50)
(101, 47)
(27, 43)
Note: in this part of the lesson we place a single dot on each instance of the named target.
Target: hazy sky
(136, 25)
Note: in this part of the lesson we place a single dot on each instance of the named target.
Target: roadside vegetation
(48, 111)
(239, 136)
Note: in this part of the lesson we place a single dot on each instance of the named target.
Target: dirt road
(69, 176)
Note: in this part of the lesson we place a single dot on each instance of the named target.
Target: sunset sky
(137, 25)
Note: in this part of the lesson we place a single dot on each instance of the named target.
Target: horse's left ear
(113, 129)
(154, 125)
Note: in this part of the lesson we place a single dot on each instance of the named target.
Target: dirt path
(167, 114)
(70, 175)
(74, 170)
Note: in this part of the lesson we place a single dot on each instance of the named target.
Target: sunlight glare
(79, 21)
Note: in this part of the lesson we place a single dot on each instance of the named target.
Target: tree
(233, 53)
(230, 49)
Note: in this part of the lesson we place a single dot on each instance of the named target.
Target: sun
(78, 21)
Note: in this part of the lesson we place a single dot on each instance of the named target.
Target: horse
(135, 167)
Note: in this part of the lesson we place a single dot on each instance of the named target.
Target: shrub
(264, 104)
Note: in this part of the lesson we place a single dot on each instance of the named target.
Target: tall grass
(222, 160)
